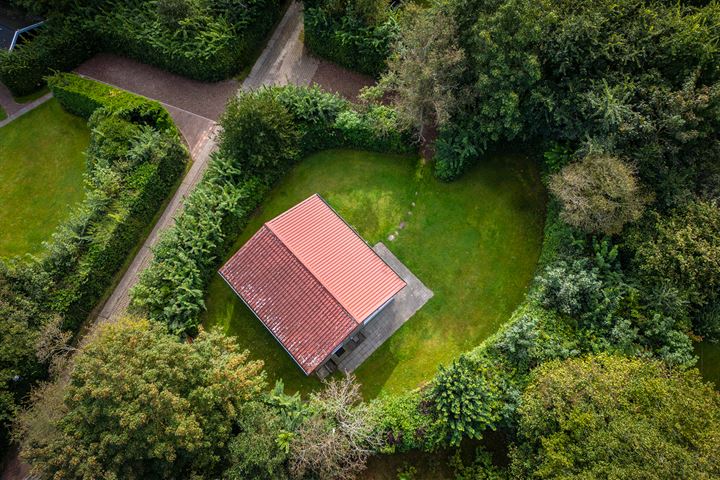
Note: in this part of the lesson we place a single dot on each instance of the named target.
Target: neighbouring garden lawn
(474, 242)
(42, 162)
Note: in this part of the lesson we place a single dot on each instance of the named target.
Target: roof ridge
(293, 208)
(302, 264)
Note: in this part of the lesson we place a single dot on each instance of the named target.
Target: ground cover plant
(205, 40)
(134, 157)
(42, 168)
(495, 246)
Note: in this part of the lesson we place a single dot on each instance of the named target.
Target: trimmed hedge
(82, 97)
(211, 45)
(124, 194)
(211, 48)
(58, 47)
(293, 121)
(347, 41)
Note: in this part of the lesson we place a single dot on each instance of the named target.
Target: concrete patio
(403, 306)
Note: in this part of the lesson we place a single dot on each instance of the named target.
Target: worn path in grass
(473, 242)
(42, 161)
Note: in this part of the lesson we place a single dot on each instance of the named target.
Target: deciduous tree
(612, 417)
(140, 404)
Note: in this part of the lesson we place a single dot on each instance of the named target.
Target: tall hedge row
(264, 133)
(346, 39)
(61, 45)
(210, 44)
(135, 157)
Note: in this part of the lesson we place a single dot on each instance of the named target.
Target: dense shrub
(139, 404)
(61, 45)
(467, 399)
(134, 159)
(207, 41)
(354, 34)
(609, 417)
(264, 132)
(682, 249)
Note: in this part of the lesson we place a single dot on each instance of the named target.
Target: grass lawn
(41, 165)
(474, 242)
(3, 114)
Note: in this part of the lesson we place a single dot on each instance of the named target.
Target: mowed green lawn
(41, 166)
(474, 242)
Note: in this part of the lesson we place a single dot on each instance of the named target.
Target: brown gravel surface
(336, 79)
(205, 99)
(7, 101)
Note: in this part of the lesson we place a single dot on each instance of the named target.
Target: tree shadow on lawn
(474, 242)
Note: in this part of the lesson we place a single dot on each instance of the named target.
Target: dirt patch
(336, 79)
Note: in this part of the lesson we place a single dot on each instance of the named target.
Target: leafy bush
(467, 399)
(61, 45)
(599, 194)
(83, 97)
(134, 159)
(354, 34)
(259, 132)
(610, 417)
(167, 412)
(207, 41)
(682, 249)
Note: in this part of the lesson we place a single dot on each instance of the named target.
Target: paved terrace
(408, 301)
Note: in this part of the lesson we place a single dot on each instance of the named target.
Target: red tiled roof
(311, 280)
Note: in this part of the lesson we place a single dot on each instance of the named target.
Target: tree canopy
(612, 417)
(141, 404)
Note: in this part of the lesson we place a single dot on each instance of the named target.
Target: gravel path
(285, 59)
(14, 109)
(204, 99)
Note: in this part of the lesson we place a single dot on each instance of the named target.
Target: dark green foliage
(207, 41)
(82, 97)
(405, 421)
(259, 133)
(467, 399)
(264, 131)
(61, 45)
(481, 468)
(638, 79)
(20, 321)
(682, 249)
(355, 34)
(255, 452)
(608, 417)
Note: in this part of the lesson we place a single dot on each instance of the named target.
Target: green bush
(82, 97)
(59, 46)
(134, 159)
(214, 43)
(350, 37)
